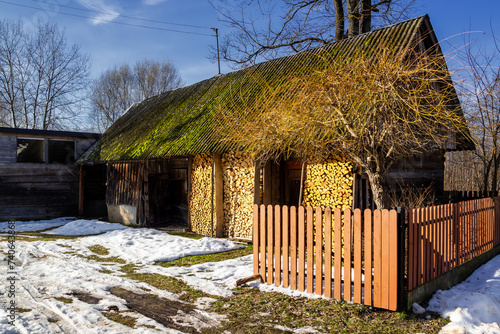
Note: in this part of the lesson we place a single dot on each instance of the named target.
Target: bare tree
(266, 29)
(480, 93)
(120, 87)
(373, 109)
(41, 77)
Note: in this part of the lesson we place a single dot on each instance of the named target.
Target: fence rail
(349, 255)
(443, 237)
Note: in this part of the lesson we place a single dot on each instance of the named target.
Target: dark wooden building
(38, 175)
(167, 163)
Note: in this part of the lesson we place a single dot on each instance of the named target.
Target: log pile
(329, 184)
(238, 176)
(200, 197)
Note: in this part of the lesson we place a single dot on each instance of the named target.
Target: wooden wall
(128, 183)
(30, 191)
(37, 191)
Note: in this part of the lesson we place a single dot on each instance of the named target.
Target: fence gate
(348, 255)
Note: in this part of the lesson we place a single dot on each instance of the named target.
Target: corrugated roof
(181, 121)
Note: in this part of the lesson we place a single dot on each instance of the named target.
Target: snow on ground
(473, 304)
(35, 225)
(86, 227)
(148, 245)
(46, 270)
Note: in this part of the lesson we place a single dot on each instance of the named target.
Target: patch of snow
(86, 227)
(146, 246)
(474, 303)
(24, 226)
(417, 309)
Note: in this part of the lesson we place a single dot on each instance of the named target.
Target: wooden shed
(166, 160)
(38, 175)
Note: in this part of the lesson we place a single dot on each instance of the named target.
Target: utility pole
(217, 39)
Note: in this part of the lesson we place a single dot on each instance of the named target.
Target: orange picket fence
(348, 255)
(443, 237)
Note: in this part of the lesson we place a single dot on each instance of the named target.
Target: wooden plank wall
(35, 191)
(347, 255)
(124, 183)
(7, 148)
(127, 182)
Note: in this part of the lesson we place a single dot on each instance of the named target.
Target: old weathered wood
(267, 187)
(81, 188)
(256, 182)
(248, 279)
(219, 193)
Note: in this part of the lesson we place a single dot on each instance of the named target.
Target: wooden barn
(38, 175)
(166, 164)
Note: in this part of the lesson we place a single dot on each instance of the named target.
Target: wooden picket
(350, 255)
(443, 237)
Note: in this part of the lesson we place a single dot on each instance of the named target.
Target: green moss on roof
(181, 122)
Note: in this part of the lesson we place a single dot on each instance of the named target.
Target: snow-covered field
(45, 272)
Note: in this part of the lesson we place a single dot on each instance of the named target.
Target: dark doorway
(95, 191)
(292, 173)
(168, 200)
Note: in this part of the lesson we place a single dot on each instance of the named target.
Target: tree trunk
(339, 20)
(377, 184)
(366, 16)
(353, 18)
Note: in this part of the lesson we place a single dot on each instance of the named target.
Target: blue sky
(109, 44)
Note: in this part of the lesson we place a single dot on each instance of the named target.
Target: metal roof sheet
(181, 121)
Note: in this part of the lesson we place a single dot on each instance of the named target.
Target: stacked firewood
(238, 177)
(200, 199)
(329, 184)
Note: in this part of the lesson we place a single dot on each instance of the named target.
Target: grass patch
(172, 284)
(125, 320)
(23, 310)
(106, 271)
(253, 311)
(159, 309)
(96, 258)
(190, 235)
(64, 300)
(99, 250)
(46, 237)
(216, 257)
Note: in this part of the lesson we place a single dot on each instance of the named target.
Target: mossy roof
(181, 121)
